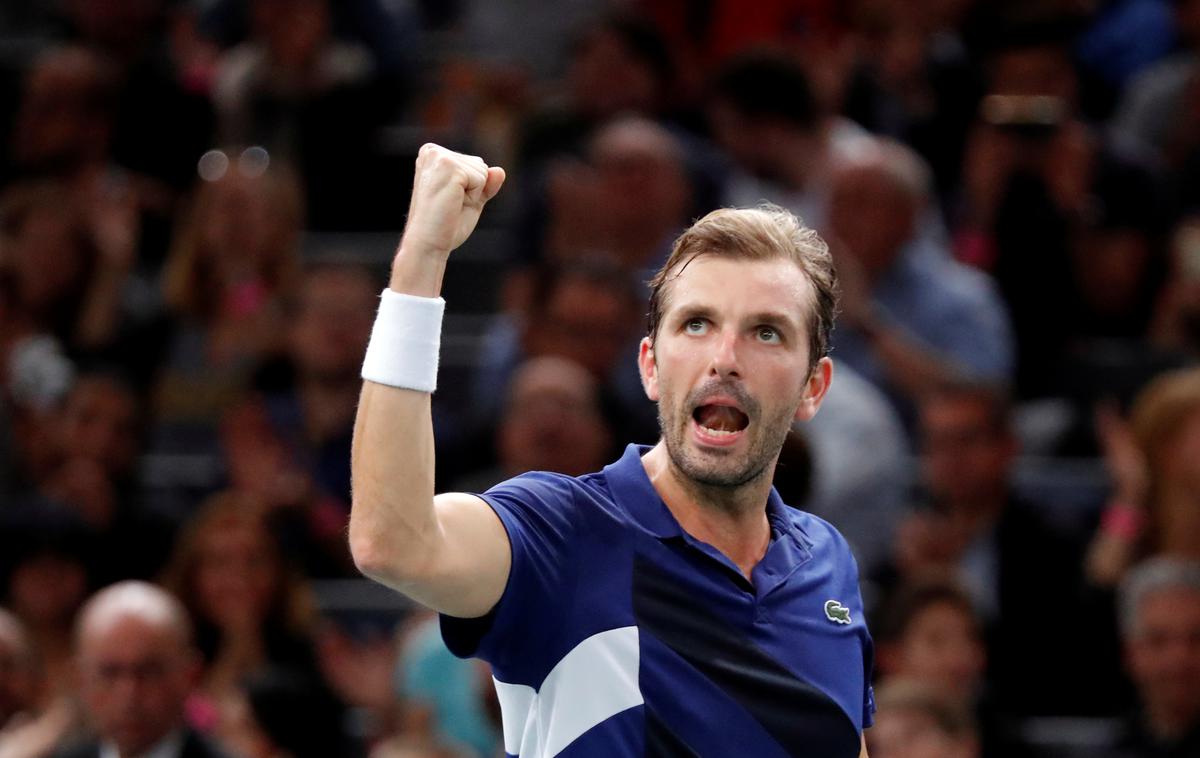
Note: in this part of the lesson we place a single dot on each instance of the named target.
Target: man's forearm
(435, 551)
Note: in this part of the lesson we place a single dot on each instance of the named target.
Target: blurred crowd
(193, 195)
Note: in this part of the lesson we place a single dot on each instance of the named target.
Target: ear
(815, 389)
(648, 369)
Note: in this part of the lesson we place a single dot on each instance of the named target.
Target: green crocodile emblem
(835, 611)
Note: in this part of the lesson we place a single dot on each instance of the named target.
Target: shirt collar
(631, 487)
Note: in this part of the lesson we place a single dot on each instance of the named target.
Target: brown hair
(191, 282)
(910, 600)
(762, 233)
(1159, 413)
(292, 606)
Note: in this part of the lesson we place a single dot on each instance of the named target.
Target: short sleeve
(540, 515)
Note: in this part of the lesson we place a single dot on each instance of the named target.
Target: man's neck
(731, 519)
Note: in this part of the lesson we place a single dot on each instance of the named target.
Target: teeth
(717, 432)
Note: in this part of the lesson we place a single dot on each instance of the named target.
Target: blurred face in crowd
(871, 215)
(332, 324)
(18, 686)
(47, 259)
(728, 366)
(62, 119)
(1111, 267)
(585, 322)
(237, 574)
(99, 424)
(1162, 654)
(135, 674)
(914, 733)
(294, 30)
(552, 421)
(966, 455)
(607, 78)
(47, 588)
(642, 182)
(942, 647)
(238, 224)
(763, 146)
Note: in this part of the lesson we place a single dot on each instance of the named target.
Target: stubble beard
(721, 470)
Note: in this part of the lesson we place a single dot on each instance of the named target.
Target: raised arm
(448, 552)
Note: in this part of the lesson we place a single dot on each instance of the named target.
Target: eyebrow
(774, 318)
(769, 318)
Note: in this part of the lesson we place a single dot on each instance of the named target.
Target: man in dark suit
(136, 666)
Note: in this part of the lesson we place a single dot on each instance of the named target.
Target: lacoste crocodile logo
(835, 611)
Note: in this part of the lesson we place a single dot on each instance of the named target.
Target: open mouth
(720, 420)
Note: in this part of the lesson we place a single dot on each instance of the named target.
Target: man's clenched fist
(449, 192)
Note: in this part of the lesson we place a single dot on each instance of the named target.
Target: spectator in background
(162, 120)
(586, 310)
(911, 316)
(1160, 625)
(65, 117)
(929, 632)
(916, 722)
(1153, 109)
(20, 682)
(137, 667)
(309, 99)
(233, 262)
(1154, 461)
(97, 438)
(291, 446)
(1064, 220)
(762, 111)
(914, 80)
(30, 727)
(47, 569)
(251, 610)
(551, 421)
(66, 255)
(1008, 556)
(618, 66)
(862, 472)
(285, 717)
(449, 702)
(630, 199)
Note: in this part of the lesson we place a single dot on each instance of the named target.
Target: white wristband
(403, 351)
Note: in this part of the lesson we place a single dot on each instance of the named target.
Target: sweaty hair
(762, 233)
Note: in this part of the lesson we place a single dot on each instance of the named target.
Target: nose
(724, 360)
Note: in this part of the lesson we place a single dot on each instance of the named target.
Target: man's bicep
(471, 564)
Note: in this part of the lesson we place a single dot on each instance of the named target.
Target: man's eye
(695, 326)
(768, 334)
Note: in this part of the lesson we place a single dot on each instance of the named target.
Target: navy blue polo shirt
(619, 634)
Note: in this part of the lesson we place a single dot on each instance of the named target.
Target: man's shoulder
(550, 486)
